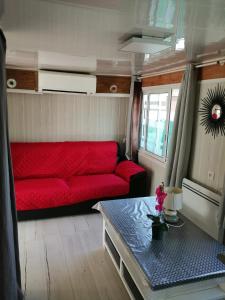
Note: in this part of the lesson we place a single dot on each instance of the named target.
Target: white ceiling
(108, 4)
(82, 35)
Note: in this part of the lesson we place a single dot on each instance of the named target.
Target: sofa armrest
(126, 169)
(135, 175)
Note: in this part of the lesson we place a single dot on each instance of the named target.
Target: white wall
(207, 153)
(66, 117)
(155, 170)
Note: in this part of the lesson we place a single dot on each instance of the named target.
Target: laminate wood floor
(63, 259)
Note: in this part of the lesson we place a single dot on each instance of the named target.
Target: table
(183, 265)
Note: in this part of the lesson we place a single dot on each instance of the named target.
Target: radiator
(201, 206)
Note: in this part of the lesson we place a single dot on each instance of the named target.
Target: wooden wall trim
(163, 79)
(211, 72)
(204, 73)
(26, 80)
(105, 82)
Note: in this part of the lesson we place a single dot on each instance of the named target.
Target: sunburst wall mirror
(212, 111)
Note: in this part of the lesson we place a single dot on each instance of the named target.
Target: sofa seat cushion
(97, 186)
(34, 194)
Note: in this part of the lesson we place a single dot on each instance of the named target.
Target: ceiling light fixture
(180, 44)
(145, 45)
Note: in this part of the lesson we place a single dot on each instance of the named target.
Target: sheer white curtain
(180, 145)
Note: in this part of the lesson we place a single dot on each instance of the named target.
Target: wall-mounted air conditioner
(53, 81)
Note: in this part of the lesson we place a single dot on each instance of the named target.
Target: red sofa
(61, 174)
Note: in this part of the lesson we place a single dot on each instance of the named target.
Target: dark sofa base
(54, 212)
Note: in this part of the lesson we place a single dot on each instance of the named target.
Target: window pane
(175, 93)
(157, 123)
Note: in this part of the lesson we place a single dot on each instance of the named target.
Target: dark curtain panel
(135, 121)
(10, 281)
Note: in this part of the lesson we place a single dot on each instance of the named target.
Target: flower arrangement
(160, 197)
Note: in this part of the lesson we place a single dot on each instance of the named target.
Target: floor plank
(63, 259)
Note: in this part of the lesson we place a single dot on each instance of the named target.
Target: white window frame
(160, 89)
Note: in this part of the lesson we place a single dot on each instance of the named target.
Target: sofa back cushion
(63, 159)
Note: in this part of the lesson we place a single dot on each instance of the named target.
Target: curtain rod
(209, 62)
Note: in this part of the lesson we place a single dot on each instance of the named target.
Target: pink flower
(159, 207)
(160, 196)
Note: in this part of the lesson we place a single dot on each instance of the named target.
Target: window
(158, 111)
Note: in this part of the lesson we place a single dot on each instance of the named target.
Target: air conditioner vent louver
(53, 81)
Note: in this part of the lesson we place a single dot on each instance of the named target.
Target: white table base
(134, 278)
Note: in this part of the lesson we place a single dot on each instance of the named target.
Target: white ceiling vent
(52, 81)
(145, 45)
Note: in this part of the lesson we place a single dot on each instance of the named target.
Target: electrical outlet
(211, 175)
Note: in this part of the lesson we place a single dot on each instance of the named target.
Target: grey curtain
(2, 6)
(10, 282)
(180, 145)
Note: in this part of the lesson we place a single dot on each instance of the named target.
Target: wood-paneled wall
(52, 117)
(28, 80)
(211, 72)
(105, 82)
(25, 79)
(204, 73)
(163, 79)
